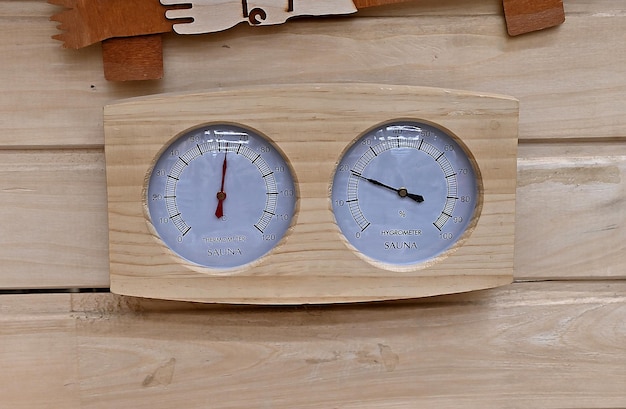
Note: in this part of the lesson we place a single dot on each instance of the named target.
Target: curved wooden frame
(313, 265)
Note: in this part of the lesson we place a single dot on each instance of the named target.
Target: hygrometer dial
(405, 192)
(221, 196)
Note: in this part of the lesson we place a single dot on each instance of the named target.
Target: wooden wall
(556, 338)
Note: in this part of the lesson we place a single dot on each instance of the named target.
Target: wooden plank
(54, 226)
(570, 213)
(524, 16)
(458, 44)
(540, 345)
(571, 218)
(133, 59)
(524, 346)
(38, 352)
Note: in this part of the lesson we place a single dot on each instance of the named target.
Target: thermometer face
(404, 193)
(221, 196)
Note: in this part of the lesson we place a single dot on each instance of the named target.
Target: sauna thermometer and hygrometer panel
(311, 193)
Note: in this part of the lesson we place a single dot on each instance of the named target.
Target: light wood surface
(539, 345)
(54, 223)
(312, 264)
(126, 58)
(556, 182)
(557, 342)
(586, 104)
(569, 83)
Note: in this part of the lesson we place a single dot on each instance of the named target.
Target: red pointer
(221, 195)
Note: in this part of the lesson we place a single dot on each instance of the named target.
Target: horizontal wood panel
(540, 345)
(570, 221)
(571, 211)
(38, 352)
(569, 82)
(54, 224)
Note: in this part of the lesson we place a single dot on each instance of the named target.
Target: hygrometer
(405, 192)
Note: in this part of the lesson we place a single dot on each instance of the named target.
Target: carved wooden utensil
(130, 30)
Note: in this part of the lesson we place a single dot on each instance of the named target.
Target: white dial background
(428, 201)
(182, 196)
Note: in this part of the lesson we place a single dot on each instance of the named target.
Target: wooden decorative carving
(85, 22)
(209, 16)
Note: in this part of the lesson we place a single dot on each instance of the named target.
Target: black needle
(402, 192)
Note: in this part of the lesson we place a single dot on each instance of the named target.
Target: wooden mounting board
(312, 265)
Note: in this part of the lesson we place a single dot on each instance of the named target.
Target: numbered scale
(404, 193)
(221, 196)
(320, 193)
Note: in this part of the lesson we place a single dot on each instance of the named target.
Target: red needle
(221, 195)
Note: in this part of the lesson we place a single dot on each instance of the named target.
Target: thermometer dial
(221, 196)
(404, 193)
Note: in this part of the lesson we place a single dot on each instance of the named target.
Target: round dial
(404, 193)
(221, 196)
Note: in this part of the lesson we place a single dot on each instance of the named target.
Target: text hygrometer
(405, 192)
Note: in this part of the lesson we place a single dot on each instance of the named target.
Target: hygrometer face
(404, 193)
(221, 196)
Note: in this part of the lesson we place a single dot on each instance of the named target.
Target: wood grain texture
(545, 344)
(135, 52)
(312, 264)
(524, 16)
(540, 345)
(85, 22)
(57, 103)
(53, 212)
(557, 183)
(135, 58)
(38, 352)
(571, 219)
(457, 44)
